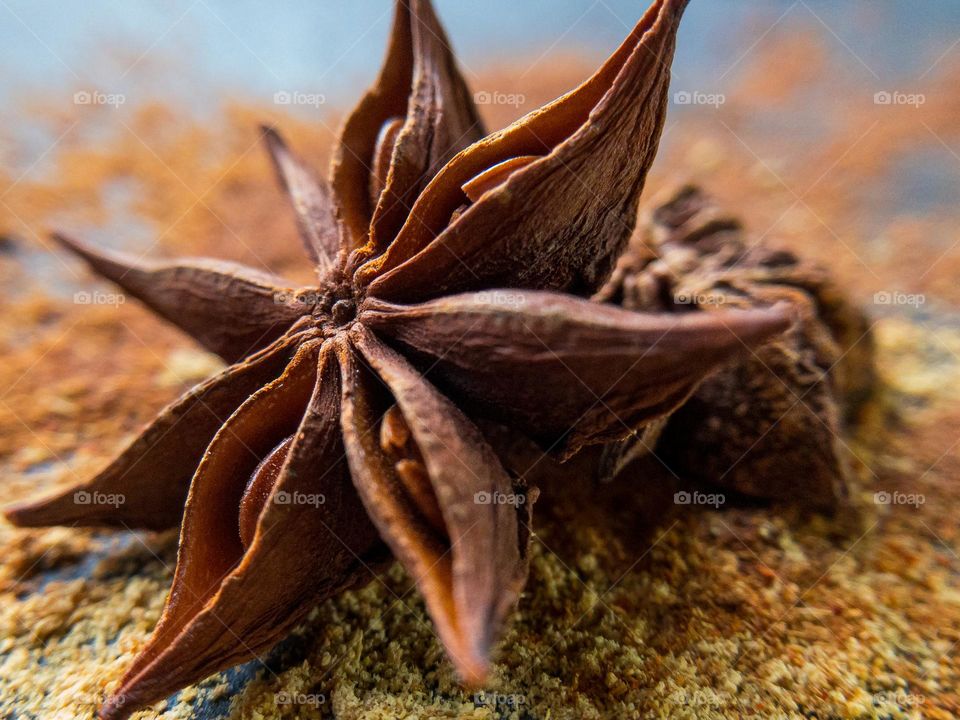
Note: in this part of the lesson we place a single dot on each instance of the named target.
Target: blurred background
(810, 96)
(217, 50)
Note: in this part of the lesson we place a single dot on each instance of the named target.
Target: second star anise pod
(453, 275)
(772, 423)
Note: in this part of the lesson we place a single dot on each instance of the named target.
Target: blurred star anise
(770, 424)
(440, 253)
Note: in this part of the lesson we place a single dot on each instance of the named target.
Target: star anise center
(332, 310)
(344, 311)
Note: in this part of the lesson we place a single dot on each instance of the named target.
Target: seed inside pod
(398, 444)
(495, 176)
(382, 154)
(258, 489)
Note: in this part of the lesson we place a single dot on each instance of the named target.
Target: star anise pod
(772, 423)
(440, 254)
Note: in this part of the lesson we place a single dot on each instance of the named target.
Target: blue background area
(202, 55)
(216, 50)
